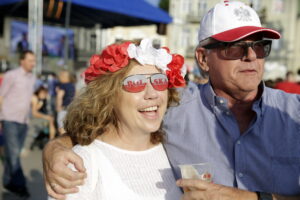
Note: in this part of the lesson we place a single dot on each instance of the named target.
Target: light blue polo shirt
(265, 158)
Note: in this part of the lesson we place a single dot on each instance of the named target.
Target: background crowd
(33, 108)
(32, 113)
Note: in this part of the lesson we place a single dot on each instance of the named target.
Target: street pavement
(32, 166)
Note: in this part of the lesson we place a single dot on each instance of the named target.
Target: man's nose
(250, 53)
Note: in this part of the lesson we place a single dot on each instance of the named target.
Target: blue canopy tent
(87, 13)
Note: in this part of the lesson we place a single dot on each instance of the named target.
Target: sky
(153, 2)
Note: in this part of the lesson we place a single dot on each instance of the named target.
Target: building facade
(281, 15)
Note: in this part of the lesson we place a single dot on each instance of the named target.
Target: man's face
(235, 76)
(28, 62)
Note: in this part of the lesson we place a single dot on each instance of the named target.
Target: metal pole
(35, 31)
(98, 37)
(67, 24)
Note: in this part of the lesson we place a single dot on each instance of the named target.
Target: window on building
(186, 6)
(298, 8)
(202, 7)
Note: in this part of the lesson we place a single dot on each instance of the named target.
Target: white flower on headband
(116, 56)
(183, 70)
(146, 54)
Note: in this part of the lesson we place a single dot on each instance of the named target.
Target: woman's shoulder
(91, 159)
(34, 99)
(86, 151)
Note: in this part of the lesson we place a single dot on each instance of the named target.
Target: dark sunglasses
(137, 83)
(238, 50)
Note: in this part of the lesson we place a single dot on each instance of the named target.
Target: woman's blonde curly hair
(92, 112)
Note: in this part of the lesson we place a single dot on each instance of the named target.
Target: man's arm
(59, 178)
(59, 99)
(198, 189)
(1, 100)
(7, 84)
(279, 197)
(35, 110)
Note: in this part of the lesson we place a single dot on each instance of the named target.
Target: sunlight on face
(240, 75)
(141, 112)
(28, 62)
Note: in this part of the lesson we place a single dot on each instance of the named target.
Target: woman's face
(141, 112)
(64, 77)
(43, 94)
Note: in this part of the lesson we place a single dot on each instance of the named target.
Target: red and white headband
(116, 56)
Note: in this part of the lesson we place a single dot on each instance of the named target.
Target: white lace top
(114, 173)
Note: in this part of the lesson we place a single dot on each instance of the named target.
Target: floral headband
(116, 56)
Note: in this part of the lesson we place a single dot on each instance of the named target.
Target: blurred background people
(23, 44)
(1, 133)
(289, 85)
(42, 123)
(16, 93)
(52, 82)
(65, 92)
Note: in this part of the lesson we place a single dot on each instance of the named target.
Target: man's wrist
(264, 196)
(240, 194)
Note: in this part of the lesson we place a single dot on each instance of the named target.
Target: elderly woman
(116, 123)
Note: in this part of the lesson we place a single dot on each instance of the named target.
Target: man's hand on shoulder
(59, 178)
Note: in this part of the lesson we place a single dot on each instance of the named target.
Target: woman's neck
(123, 140)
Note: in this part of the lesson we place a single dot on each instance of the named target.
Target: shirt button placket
(239, 161)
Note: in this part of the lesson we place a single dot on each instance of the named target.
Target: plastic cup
(202, 171)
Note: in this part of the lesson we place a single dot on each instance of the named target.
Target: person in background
(39, 82)
(1, 132)
(52, 82)
(249, 133)
(23, 44)
(289, 85)
(41, 120)
(15, 97)
(65, 92)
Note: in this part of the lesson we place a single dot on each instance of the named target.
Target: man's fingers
(78, 163)
(53, 194)
(62, 191)
(63, 171)
(67, 184)
(193, 183)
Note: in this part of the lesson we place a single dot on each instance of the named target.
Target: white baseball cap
(232, 21)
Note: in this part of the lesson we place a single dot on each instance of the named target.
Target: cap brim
(245, 31)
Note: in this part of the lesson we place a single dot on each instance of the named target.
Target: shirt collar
(215, 100)
(258, 104)
(24, 72)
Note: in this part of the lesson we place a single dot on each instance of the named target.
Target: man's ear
(201, 58)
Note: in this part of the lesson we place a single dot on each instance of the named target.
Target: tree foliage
(164, 4)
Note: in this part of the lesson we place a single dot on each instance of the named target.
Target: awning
(4, 2)
(87, 13)
(134, 8)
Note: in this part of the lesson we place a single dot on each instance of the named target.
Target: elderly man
(249, 133)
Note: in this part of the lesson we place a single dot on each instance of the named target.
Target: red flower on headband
(112, 58)
(174, 74)
(167, 49)
(115, 57)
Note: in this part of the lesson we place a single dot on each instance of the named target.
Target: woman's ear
(201, 58)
